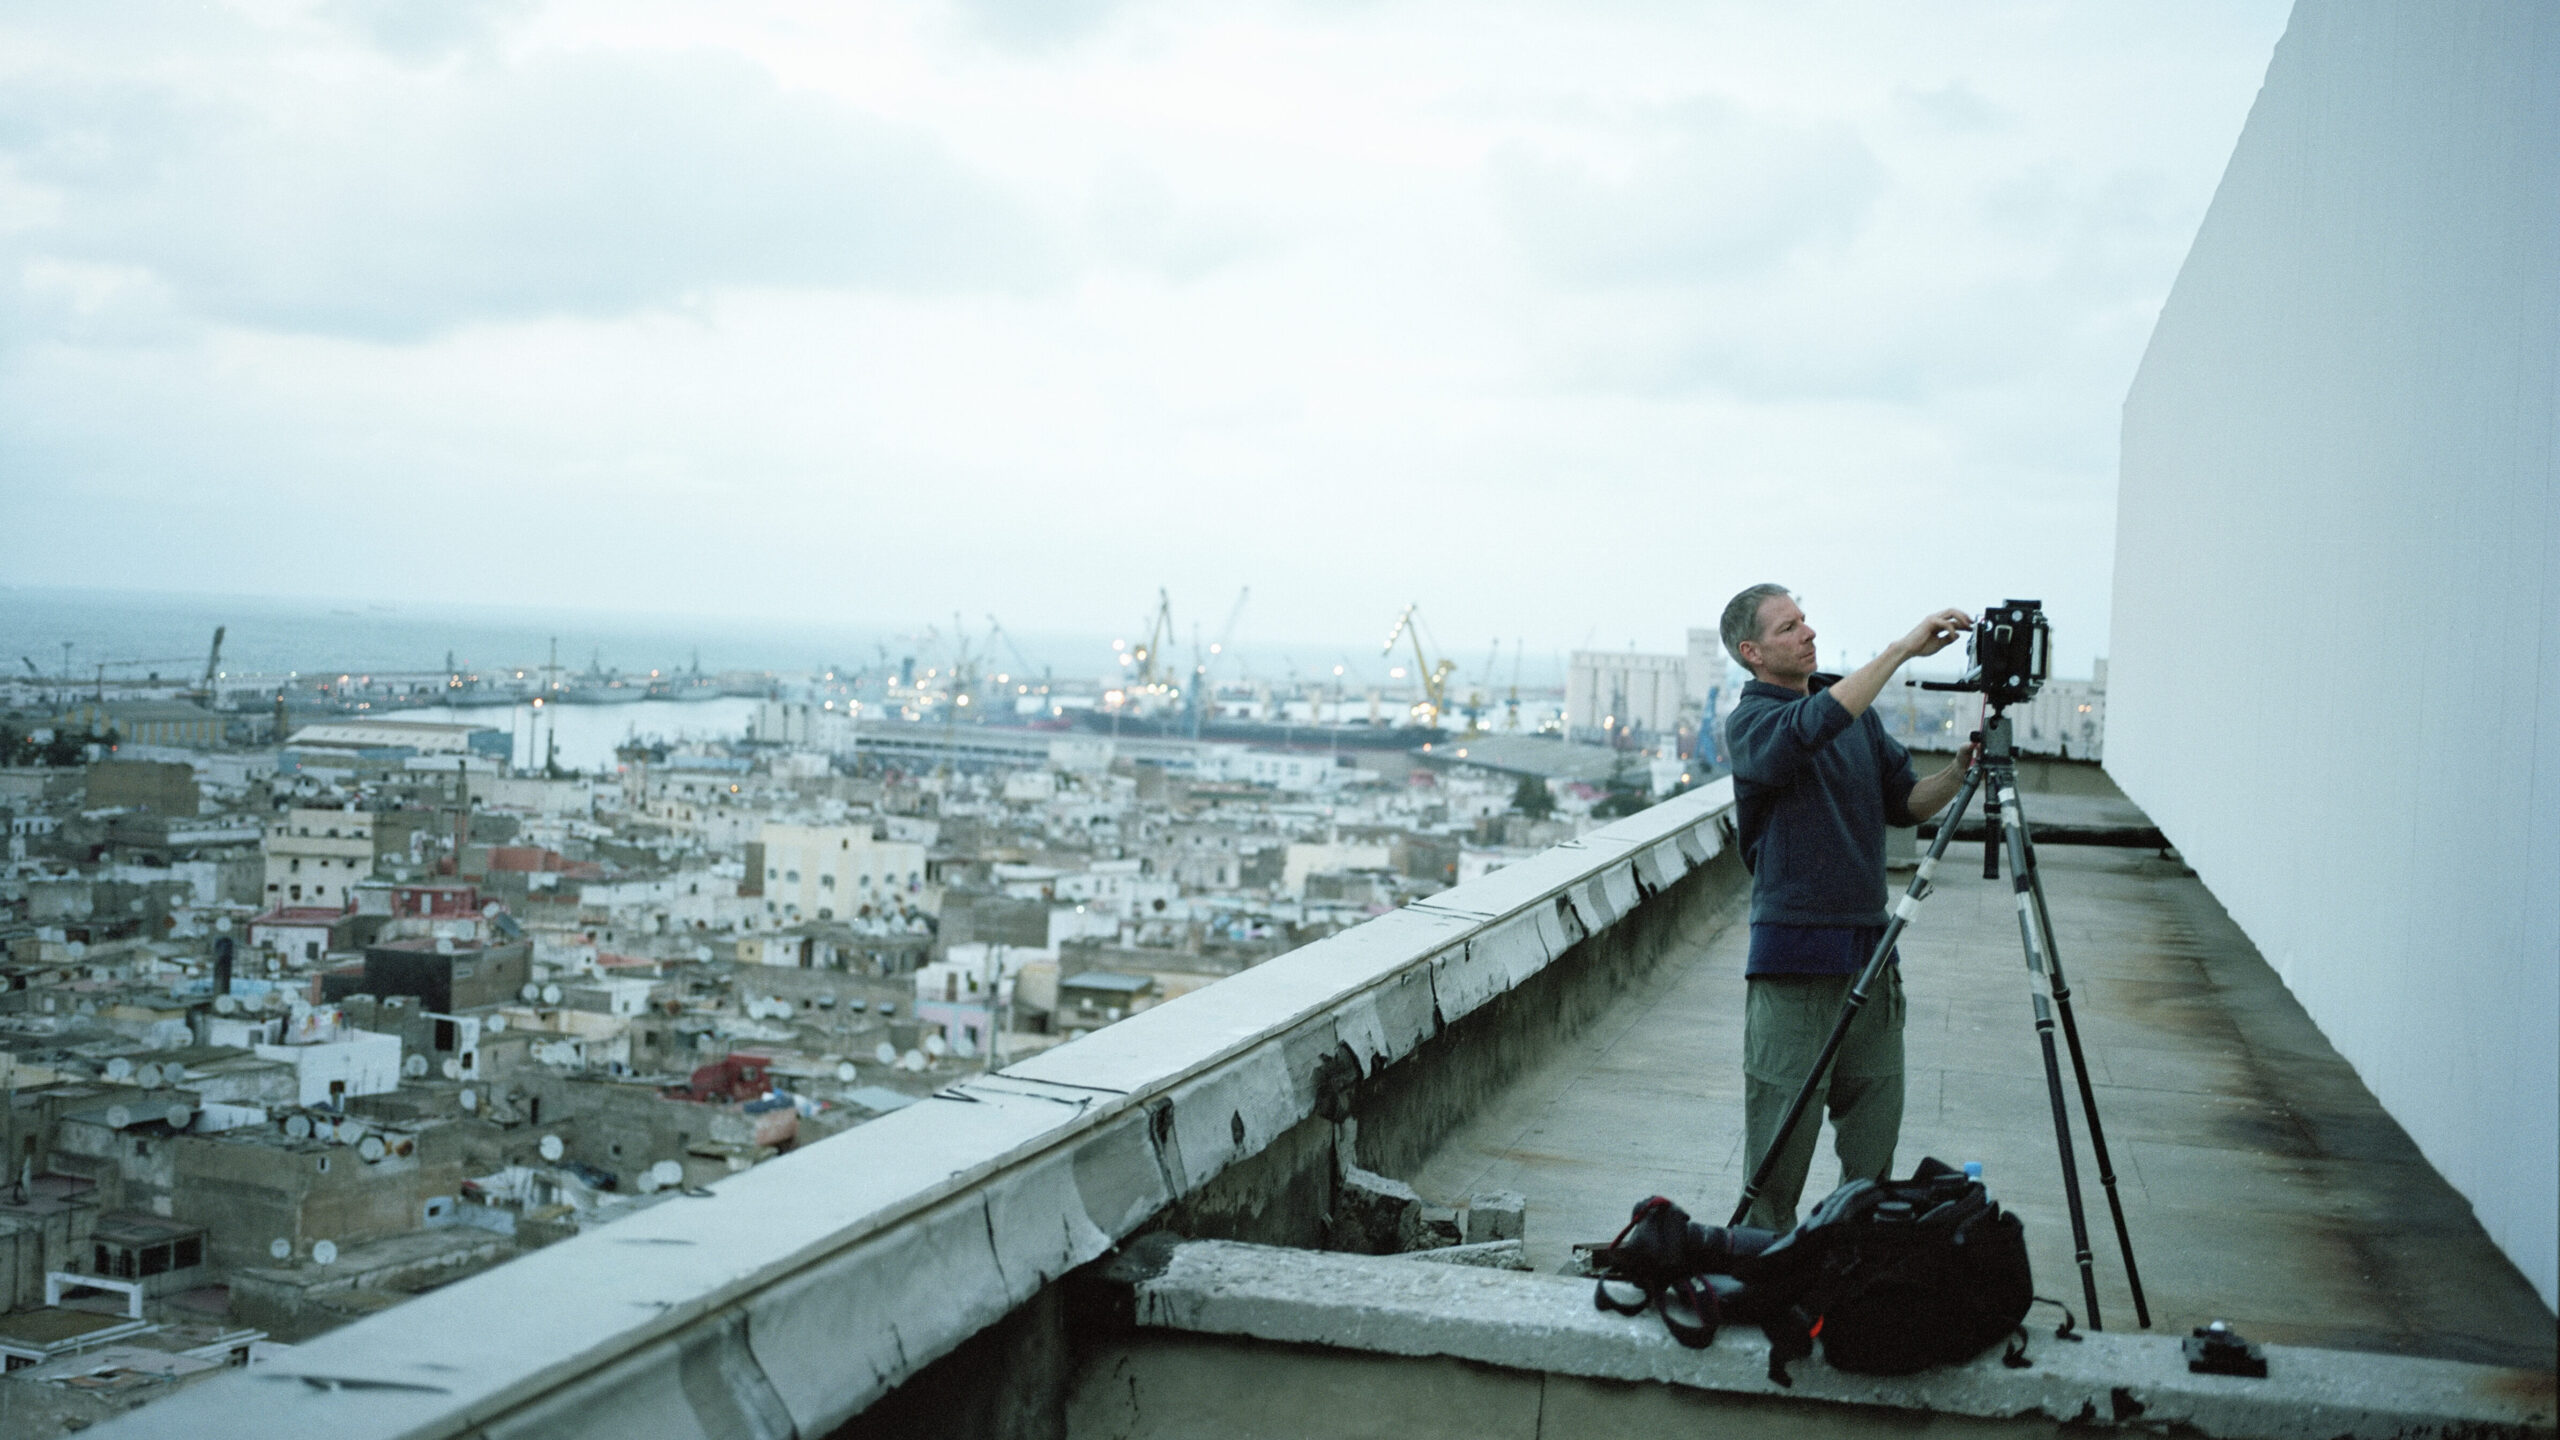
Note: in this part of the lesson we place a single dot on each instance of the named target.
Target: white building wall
(366, 1062)
(2339, 451)
(1603, 687)
(832, 871)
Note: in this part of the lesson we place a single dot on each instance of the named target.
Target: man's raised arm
(1859, 688)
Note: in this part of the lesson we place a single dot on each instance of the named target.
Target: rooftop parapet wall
(1541, 1357)
(793, 1296)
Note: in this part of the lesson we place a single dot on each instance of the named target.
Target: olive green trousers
(1785, 1021)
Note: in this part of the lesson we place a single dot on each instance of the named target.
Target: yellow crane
(1153, 667)
(1434, 676)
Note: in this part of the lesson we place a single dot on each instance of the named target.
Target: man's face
(1784, 652)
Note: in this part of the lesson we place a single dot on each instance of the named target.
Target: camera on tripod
(2012, 653)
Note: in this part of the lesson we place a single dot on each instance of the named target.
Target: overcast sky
(1565, 320)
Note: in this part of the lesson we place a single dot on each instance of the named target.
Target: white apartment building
(831, 872)
(316, 857)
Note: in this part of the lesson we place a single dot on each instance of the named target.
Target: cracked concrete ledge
(795, 1295)
(1546, 1324)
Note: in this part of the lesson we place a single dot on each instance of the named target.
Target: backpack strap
(1690, 1312)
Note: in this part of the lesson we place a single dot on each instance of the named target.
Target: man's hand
(1936, 633)
(1931, 794)
(1858, 689)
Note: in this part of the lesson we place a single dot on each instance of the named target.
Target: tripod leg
(1903, 911)
(2028, 936)
(2079, 1062)
(1991, 835)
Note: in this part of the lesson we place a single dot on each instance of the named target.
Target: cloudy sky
(1565, 320)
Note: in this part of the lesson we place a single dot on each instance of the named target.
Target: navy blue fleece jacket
(1815, 789)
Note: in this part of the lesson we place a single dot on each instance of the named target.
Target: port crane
(1476, 702)
(1147, 658)
(1511, 719)
(1227, 632)
(1434, 678)
(1202, 698)
(996, 631)
(205, 694)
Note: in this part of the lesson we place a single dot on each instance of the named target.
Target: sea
(137, 632)
(68, 633)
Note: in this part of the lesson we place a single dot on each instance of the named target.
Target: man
(1816, 781)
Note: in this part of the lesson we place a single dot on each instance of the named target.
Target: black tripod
(1994, 772)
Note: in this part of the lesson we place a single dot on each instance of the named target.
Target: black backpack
(1891, 1277)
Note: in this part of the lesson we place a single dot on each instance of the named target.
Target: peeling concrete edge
(1547, 1324)
(1695, 826)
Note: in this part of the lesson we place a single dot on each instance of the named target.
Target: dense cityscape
(327, 990)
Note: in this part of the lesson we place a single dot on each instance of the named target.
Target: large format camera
(2012, 653)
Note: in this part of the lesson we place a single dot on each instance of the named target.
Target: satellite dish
(225, 1004)
(346, 1132)
(913, 1060)
(118, 1117)
(934, 1046)
(119, 1069)
(172, 1073)
(470, 1098)
(885, 1053)
(531, 992)
(551, 1148)
(451, 1069)
(280, 1248)
(963, 1046)
(371, 1148)
(414, 1066)
(844, 1071)
(178, 1117)
(148, 1077)
(550, 994)
(297, 1127)
(497, 1023)
(702, 1041)
(324, 1252)
(668, 1173)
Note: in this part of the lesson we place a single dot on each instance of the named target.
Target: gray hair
(1742, 619)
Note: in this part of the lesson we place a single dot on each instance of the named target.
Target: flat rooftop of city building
(1548, 757)
(53, 1324)
(2262, 1183)
(335, 729)
(300, 915)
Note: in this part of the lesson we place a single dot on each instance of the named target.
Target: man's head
(1766, 633)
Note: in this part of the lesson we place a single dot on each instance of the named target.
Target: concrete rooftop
(2263, 1183)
